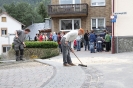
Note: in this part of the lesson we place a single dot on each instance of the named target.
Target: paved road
(25, 75)
(104, 70)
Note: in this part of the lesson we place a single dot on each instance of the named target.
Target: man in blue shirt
(54, 37)
(92, 42)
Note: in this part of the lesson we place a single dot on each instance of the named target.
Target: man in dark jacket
(86, 40)
(92, 42)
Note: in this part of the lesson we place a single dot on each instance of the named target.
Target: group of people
(56, 37)
(94, 42)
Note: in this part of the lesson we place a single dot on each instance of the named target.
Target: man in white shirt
(69, 37)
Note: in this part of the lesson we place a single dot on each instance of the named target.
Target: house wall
(11, 26)
(123, 26)
(102, 11)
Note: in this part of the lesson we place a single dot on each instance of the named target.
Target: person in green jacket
(107, 40)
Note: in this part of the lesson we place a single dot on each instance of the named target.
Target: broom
(78, 59)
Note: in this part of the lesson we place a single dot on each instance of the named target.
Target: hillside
(32, 2)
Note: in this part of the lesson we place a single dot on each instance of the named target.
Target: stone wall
(123, 44)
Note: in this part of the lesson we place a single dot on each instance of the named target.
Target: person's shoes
(21, 58)
(67, 65)
(17, 58)
(72, 64)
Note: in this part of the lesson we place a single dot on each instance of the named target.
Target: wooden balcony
(68, 10)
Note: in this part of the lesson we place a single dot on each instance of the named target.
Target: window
(3, 31)
(3, 19)
(6, 48)
(69, 1)
(70, 24)
(98, 3)
(97, 23)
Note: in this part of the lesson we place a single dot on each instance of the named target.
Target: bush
(35, 53)
(36, 49)
(44, 44)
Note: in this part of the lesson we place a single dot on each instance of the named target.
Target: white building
(8, 25)
(123, 27)
(38, 26)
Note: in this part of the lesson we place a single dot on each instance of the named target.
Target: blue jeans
(86, 44)
(92, 49)
(99, 47)
(78, 45)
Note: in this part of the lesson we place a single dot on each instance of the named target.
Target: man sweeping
(66, 48)
(19, 44)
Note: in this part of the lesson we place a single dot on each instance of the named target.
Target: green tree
(0, 10)
(23, 12)
(42, 10)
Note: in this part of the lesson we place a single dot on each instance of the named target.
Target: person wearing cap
(66, 48)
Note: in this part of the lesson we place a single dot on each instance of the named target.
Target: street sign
(120, 13)
(115, 16)
(113, 20)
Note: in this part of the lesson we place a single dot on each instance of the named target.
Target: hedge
(36, 53)
(43, 44)
(37, 49)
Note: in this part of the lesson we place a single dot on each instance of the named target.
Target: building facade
(69, 15)
(123, 27)
(8, 25)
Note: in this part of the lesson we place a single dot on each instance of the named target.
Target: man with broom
(66, 48)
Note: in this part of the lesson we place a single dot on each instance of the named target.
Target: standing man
(78, 40)
(86, 40)
(69, 37)
(54, 37)
(107, 40)
(20, 36)
(59, 41)
(92, 42)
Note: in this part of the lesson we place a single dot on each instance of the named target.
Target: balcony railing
(68, 10)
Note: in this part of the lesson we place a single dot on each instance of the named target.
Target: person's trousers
(60, 49)
(78, 45)
(65, 52)
(86, 43)
(92, 49)
(107, 46)
(99, 47)
(19, 51)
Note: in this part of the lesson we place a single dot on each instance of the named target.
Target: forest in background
(26, 11)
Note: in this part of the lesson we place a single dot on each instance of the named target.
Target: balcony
(68, 10)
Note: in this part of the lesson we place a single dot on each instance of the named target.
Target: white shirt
(78, 37)
(71, 36)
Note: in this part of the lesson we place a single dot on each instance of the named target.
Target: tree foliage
(42, 10)
(26, 11)
(23, 12)
(32, 2)
(0, 10)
